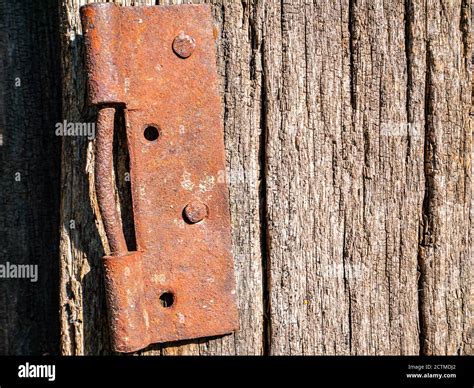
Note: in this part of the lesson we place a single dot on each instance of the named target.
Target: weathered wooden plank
(446, 239)
(386, 314)
(306, 67)
(346, 177)
(83, 316)
(29, 174)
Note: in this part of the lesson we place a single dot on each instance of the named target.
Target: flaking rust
(158, 65)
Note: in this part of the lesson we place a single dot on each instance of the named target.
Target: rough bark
(349, 145)
(29, 174)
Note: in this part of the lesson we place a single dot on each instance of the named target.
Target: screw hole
(167, 299)
(151, 133)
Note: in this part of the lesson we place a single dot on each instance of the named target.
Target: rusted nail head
(195, 211)
(184, 45)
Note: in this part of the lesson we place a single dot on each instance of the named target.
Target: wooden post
(349, 141)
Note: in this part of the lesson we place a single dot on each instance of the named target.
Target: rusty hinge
(158, 65)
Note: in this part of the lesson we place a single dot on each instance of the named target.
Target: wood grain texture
(446, 244)
(354, 200)
(348, 142)
(29, 174)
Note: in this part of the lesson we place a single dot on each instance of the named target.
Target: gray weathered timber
(344, 198)
(368, 219)
(446, 240)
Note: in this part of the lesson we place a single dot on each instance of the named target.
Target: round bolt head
(195, 211)
(183, 45)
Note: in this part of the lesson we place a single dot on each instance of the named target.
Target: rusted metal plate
(159, 63)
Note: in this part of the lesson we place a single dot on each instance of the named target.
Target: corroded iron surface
(159, 65)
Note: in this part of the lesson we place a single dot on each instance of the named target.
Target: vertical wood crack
(425, 237)
(263, 211)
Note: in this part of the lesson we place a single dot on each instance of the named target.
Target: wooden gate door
(348, 134)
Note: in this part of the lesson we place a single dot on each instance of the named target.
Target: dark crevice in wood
(347, 290)
(465, 27)
(408, 58)
(263, 211)
(409, 41)
(427, 216)
(353, 101)
(351, 52)
(411, 121)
